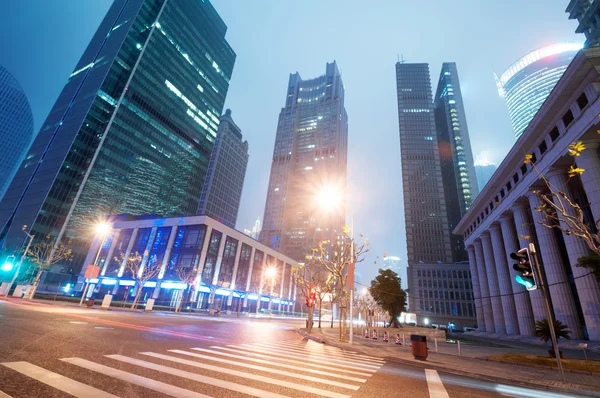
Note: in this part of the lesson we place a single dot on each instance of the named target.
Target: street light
(8, 264)
(21, 259)
(102, 229)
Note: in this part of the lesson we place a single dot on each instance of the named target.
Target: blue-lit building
(232, 270)
(16, 127)
(132, 130)
(526, 84)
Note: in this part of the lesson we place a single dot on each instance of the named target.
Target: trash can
(419, 346)
(90, 302)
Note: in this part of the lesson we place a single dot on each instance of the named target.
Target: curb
(581, 372)
(454, 371)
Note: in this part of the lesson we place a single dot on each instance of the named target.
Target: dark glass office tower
(132, 130)
(456, 157)
(427, 227)
(309, 166)
(222, 191)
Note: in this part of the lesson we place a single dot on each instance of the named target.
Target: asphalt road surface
(63, 351)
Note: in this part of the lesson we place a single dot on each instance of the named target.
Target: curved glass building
(16, 127)
(526, 83)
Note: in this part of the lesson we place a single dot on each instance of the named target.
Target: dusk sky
(43, 40)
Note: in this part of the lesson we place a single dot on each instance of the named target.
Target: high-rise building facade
(16, 128)
(224, 180)
(425, 213)
(456, 157)
(133, 129)
(484, 172)
(526, 84)
(309, 163)
(587, 13)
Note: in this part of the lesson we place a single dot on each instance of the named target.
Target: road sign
(92, 271)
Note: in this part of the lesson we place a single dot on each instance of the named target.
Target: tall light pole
(351, 282)
(102, 229)
(14, 278)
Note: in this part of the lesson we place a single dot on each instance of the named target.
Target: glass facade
(16, 127)
(427, 231)
(456, 157)
(526, 84)
(130, 133)
(222, 190)
(310, 156)
(221, 264)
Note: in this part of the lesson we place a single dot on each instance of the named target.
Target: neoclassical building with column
(233, 271)
(503, 218)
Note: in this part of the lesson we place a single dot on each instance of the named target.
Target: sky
(41, 41)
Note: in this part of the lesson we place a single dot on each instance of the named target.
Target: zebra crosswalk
(276, 369)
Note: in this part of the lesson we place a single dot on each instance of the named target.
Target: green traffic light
(7, 266)
(525, 282)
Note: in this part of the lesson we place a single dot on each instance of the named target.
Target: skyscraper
(224, 180)
(456, 157)
(132, 130)
(16, 128)
(525, 85)
(587, 13)
(484, 172)
(425, 213)
(309, 163)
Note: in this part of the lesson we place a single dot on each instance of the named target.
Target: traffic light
(524, 267)
(8, 264)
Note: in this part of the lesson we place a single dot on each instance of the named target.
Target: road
(63, 351)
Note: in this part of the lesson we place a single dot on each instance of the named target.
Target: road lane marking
(240, 388)
(57, 381)
(287, 360)
(304, 357)
(268, 370)
(337, 355)
(4, 395)
(78, 323)
(319, 349)
(435, 385)
(323, 356)
(165, 388)
(245, 375)
(282, 365)
(314, 345)
(103, 328)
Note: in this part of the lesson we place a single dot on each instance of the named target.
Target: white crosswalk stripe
(259, 369)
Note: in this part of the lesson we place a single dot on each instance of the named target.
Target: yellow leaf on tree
(575, 148)
(574, 171)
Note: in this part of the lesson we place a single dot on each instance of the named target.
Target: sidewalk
(471, 364)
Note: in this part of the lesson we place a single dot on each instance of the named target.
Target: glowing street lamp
(329, 198)
(8, 264)
(101, 229)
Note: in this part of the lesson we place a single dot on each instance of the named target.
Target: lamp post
(14, 278)
(102, 229)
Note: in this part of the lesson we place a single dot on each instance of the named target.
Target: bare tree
(563, 212)
(188, 276)
(309, 277)
(142, 273)
(336, 256)
(44, 255)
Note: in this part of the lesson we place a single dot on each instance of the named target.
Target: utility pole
(351, 282)
(14, 278)
(539, 270)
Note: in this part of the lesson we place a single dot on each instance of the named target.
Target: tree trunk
(179, 302)
(138, 294)
(394, 322)
(309, 322)
(36, 283)
(331, 302)
(320, 305)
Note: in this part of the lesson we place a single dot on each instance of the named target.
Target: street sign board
(92, 271)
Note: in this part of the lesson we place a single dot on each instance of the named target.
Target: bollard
(366, 333)
(374, 334)
(398, 339)
(385, 337)
(436, 347)
(458, 344)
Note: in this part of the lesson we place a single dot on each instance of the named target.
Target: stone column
(549, 254)
(508, 300)
(520, 294)
(236, 264)
(486, 303)
(590, 179)
(526, 234)
(249, 278)
(587, 286)
(220, 254)
(492, 279)
(168, 250)
(204, 251)
(476, 290)
(147, 251)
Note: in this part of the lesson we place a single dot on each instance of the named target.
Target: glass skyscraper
(456, 157)
(309, 162)
(133, 128)
(587, 13)
(526, 84)
(425, 213)
(222, 191)
(16, 128)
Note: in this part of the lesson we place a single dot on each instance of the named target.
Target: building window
(543, 146)
(582, 101)
(554, 134)
(568, 118)
(516, 177)
(502, 193)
